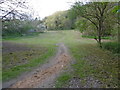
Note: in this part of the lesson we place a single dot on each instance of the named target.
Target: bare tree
(13, 8)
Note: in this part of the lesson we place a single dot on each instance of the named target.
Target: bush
(15, 27)
(92, 37)
(112, 46)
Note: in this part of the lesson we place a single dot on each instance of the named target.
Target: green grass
(96, 63)
(17, 70)
(62, 80)
(46, 40)
(11, 59)
(90, 60)
(112, 46)
(18, 36)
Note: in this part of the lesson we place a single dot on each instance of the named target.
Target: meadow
(90, 61)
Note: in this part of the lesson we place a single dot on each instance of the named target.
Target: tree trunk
(100, 33)
(99, 41)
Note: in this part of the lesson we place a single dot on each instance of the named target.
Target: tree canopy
(98, 14)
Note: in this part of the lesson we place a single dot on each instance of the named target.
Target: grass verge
(94, 62)
(91, 61)
(17, 70)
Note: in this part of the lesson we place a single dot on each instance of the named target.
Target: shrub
(92, 37)
(112, 46)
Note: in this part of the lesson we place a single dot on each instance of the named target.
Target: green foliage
(116, 8)
(112, 46)
(95, 37)
(16, 27)
(59, 21)
(81, 24)
(10, 27)
(95, 19)
(26, 27)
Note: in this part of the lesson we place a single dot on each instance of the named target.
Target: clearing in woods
(47, 57)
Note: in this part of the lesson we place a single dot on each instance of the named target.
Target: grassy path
(91, 67)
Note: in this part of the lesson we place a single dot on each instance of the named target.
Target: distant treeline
(60, 20)
(17, 27)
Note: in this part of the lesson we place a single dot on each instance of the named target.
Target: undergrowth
(112, 46)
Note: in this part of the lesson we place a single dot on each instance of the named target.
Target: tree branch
(91, 21)
(7, 14)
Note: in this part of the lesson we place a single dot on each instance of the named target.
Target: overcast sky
(47, 7)
(44, 8)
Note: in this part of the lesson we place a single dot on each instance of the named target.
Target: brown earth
(8, 47)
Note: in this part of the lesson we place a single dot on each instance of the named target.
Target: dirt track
(45, 76)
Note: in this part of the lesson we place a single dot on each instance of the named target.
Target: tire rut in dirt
(43, 76)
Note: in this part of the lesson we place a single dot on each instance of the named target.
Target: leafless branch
(13, 7)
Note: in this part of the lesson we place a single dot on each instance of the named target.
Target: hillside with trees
(59, 21)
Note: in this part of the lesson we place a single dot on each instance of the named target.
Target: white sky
(47, 7)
